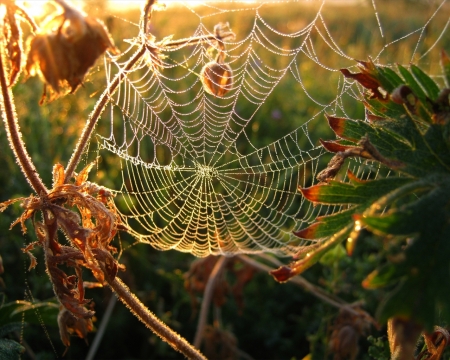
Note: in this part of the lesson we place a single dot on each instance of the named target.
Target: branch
(151, 321)
(14, 135)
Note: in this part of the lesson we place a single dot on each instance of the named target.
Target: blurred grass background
(277, 321)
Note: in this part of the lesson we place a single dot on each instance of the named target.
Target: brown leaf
(283, 273)
(58, 175)
(436, 343)
(69, 324)
(13, 37)
(65, 49)
(368, 81)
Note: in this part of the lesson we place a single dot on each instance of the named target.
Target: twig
(98, 110)
(146, 16)
(14, 135)
(151, 321)
(305, 284)
(101, 329)
(207, 296)
(102, 102)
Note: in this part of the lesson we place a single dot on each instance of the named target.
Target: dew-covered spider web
(219, 174)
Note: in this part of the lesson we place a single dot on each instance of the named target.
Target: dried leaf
(65, 49)
(69, 324)
(13, 38)
(368, 81)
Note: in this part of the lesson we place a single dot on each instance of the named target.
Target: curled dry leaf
(69, 324)
(90, 232)
(13, 38)
(66, 47)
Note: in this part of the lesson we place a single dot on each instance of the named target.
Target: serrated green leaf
(412, 83)
(284, 273)
(386, 109)
(336, 192)
(437, 143)
(393, 77)
(427, 83)
(388, 78)
(381, 277)
(335, 254)
(329, 225)
(427, 214)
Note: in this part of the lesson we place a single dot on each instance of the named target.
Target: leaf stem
(14, 135)
(151, 321)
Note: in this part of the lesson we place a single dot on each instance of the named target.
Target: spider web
(202, 173)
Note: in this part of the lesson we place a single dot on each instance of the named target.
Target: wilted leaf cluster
(61, 51)
(89, 233)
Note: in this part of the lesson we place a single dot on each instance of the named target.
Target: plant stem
(101, 329)
(98, 110)
(207, 296)
(14, 135)
(305, 284)
(151, 321)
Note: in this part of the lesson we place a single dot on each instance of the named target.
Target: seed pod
(217, 78)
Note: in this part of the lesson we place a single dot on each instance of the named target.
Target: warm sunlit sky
(36, 6)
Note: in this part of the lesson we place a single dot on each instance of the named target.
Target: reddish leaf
(339, 126)
(312, 193)
(366, 80)
(334, 147)
(309, 232)
(353, 178)
(373, 118)
(282, 274)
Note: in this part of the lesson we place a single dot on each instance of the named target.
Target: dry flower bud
(65, 49)
(217, 78)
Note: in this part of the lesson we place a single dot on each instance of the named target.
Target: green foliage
(407, 132)
(10, 349)
(379, 348)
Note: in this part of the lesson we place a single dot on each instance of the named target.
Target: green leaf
(10, 349)
(412, 83)
(329, 225)
(336, 192)
(389, 78)
(427, 83)
(284, 273)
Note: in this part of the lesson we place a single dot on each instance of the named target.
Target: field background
(276, 321)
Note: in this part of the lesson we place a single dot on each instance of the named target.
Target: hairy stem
(207, 296)
(14, 135)
(96, 113)
(151, 321)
